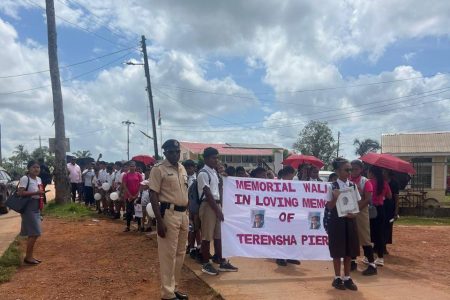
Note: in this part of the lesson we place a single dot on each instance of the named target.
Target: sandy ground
(95, 260)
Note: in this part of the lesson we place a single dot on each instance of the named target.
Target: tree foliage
(365, 146)
(316, 139)
(16, 164)
(82, 154)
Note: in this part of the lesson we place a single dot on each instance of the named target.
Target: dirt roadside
(95, 260)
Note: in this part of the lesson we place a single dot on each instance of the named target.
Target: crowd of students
(370, 229)
(94, 185)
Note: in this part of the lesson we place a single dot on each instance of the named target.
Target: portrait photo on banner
(257, 218)
(314, 220)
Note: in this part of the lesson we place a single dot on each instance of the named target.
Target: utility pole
(339, 137)
(150, 96)
(40, 143)
(61, 179)
(128, 123)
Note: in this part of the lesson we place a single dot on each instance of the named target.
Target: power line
(299, 123)
(295, 91)
(83, 7)
(70, 65)
(68, 79)
(80, 27)
(377, 102)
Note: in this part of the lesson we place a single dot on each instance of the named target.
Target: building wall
(439, 177)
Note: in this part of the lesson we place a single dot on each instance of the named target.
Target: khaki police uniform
(170, 183)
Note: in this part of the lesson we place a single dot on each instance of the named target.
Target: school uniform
(377, 224)
(389, 211)
(343, 232)
(210, 223)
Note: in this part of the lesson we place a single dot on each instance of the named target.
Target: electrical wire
(79, 27)
(69, 65)
(68, 79)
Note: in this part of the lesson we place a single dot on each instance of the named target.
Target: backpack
(194, 198)
(327, 211)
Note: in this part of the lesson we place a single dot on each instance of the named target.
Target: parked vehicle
(6, 188)
(324, 175)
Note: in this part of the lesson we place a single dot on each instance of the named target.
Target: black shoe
(293, 262)
(349, 285)
(353, 266)
(181, 295)
(338, 284)
(193, 253)
(209, 269)
(127, 229)
(225, 266)
(281, 262)
(370, 271)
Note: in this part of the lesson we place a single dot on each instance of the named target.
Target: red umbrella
(295, 160)
(388, 161)
(145, 159)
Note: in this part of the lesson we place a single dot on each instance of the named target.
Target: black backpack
(194, 198)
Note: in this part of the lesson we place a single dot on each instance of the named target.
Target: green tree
(44, 153)
(82, 154)
(365, 146)
(16, 165)
(316, 139)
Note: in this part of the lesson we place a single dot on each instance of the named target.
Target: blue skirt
(31, 219)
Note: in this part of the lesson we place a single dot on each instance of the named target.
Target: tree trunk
(61, 180)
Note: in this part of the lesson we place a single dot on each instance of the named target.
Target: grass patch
(411, 220)
(10, 261)
(67, 211)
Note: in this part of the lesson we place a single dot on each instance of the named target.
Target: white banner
(274, 219)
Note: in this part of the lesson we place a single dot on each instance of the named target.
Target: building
(429, 152)
(247, 155)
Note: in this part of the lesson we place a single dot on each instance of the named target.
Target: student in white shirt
(88, 174)
(211, 214)
(145, 200)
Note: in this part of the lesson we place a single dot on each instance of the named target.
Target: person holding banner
(287, 173)
(342, 231)
(211, 214)
(169, 199)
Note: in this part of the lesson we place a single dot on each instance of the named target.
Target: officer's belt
(166, 205)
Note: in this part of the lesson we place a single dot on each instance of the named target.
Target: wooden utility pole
(61, 179)
(338, 144)
(150, 96)
(128, 123)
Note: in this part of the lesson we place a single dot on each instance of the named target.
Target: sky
(225, 71)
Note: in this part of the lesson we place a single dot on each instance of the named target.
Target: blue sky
(229, 78)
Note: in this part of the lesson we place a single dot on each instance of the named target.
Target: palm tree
(365, 146)
(82, 154)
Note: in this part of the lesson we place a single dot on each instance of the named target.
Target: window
(236, 159)
(249, 159)
(424, 175)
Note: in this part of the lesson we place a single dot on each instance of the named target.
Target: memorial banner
(274, 219)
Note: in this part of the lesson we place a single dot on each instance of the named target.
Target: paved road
(263, 279)
(9, 229)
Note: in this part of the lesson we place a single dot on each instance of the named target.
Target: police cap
(171, 144)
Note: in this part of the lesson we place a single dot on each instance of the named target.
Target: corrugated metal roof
(226, 149)
(253, 146)
(417, 142)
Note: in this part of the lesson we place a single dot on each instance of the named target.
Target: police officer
(169, 198)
